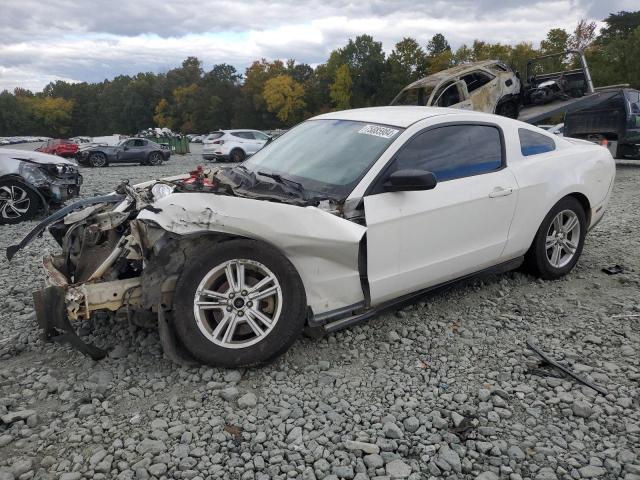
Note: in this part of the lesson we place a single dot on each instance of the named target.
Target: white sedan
(347, 214)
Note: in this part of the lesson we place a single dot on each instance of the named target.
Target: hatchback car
(344, 216)
(32, 181)
(233, 145)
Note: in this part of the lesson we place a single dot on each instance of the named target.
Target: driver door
(134, 151)
(452, 94)
(420, 239)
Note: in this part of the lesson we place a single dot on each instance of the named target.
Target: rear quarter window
(534, 143)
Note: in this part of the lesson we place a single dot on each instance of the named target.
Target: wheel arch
(170, 252)
(584, 201)
(579, 196)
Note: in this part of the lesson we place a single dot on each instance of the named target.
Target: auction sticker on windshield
(378, 131)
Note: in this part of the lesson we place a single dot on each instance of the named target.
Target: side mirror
(125, 148)
(410, 180)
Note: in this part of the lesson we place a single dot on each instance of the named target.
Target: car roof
(456, 71)
(397, 116)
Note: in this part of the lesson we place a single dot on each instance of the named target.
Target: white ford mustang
(346, 215)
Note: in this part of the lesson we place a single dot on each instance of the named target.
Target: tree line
(278, 94)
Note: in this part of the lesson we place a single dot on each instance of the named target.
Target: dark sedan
(131, 150)
(32, 181)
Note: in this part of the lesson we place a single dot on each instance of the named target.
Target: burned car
(34, 181)
(486, 86)
(130, 150)
(346, 215)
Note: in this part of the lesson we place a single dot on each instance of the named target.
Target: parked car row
(18, 140)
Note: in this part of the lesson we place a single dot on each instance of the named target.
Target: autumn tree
(284, 97)
(162, 115)
(582, 36)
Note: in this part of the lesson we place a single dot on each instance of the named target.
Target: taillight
(604, 142)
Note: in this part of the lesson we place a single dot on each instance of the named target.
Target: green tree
(438, 45)
(406, 64)
(439, 54)
(366, 61)
(340, 90)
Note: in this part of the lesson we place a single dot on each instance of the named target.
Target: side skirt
(400, 302)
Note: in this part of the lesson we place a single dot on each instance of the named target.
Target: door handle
(500, 192)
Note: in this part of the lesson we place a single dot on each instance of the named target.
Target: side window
(447, 95)
(533, 143)
(260, 136)
(138, 143)
(243, 135)
(475, 80)
(453, 151)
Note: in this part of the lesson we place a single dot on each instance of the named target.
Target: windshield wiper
(282, 180)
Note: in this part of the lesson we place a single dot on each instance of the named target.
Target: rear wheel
(244, 304)
(508, 109)
(98, 159)
(155, 158)
(237, 155)
(17, 202)
(559, 241)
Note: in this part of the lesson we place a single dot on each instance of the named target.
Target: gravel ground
(442, 389)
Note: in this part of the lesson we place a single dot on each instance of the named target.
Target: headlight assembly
(33, 173)
(161, 190)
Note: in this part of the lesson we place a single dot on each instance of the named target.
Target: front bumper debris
(52, 318)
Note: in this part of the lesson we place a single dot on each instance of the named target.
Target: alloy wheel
(14, 202)
(237, 303)
(97, 160)
(563, 237)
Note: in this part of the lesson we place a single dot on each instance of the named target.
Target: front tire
(559, 240)
(18, 202)
(244, 304)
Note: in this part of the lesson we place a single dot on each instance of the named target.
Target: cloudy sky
(94, 40)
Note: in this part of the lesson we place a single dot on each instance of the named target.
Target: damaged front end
(126, 250)
(100, 265)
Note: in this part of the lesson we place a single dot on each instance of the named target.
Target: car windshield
(325, 156)
(414, 96)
